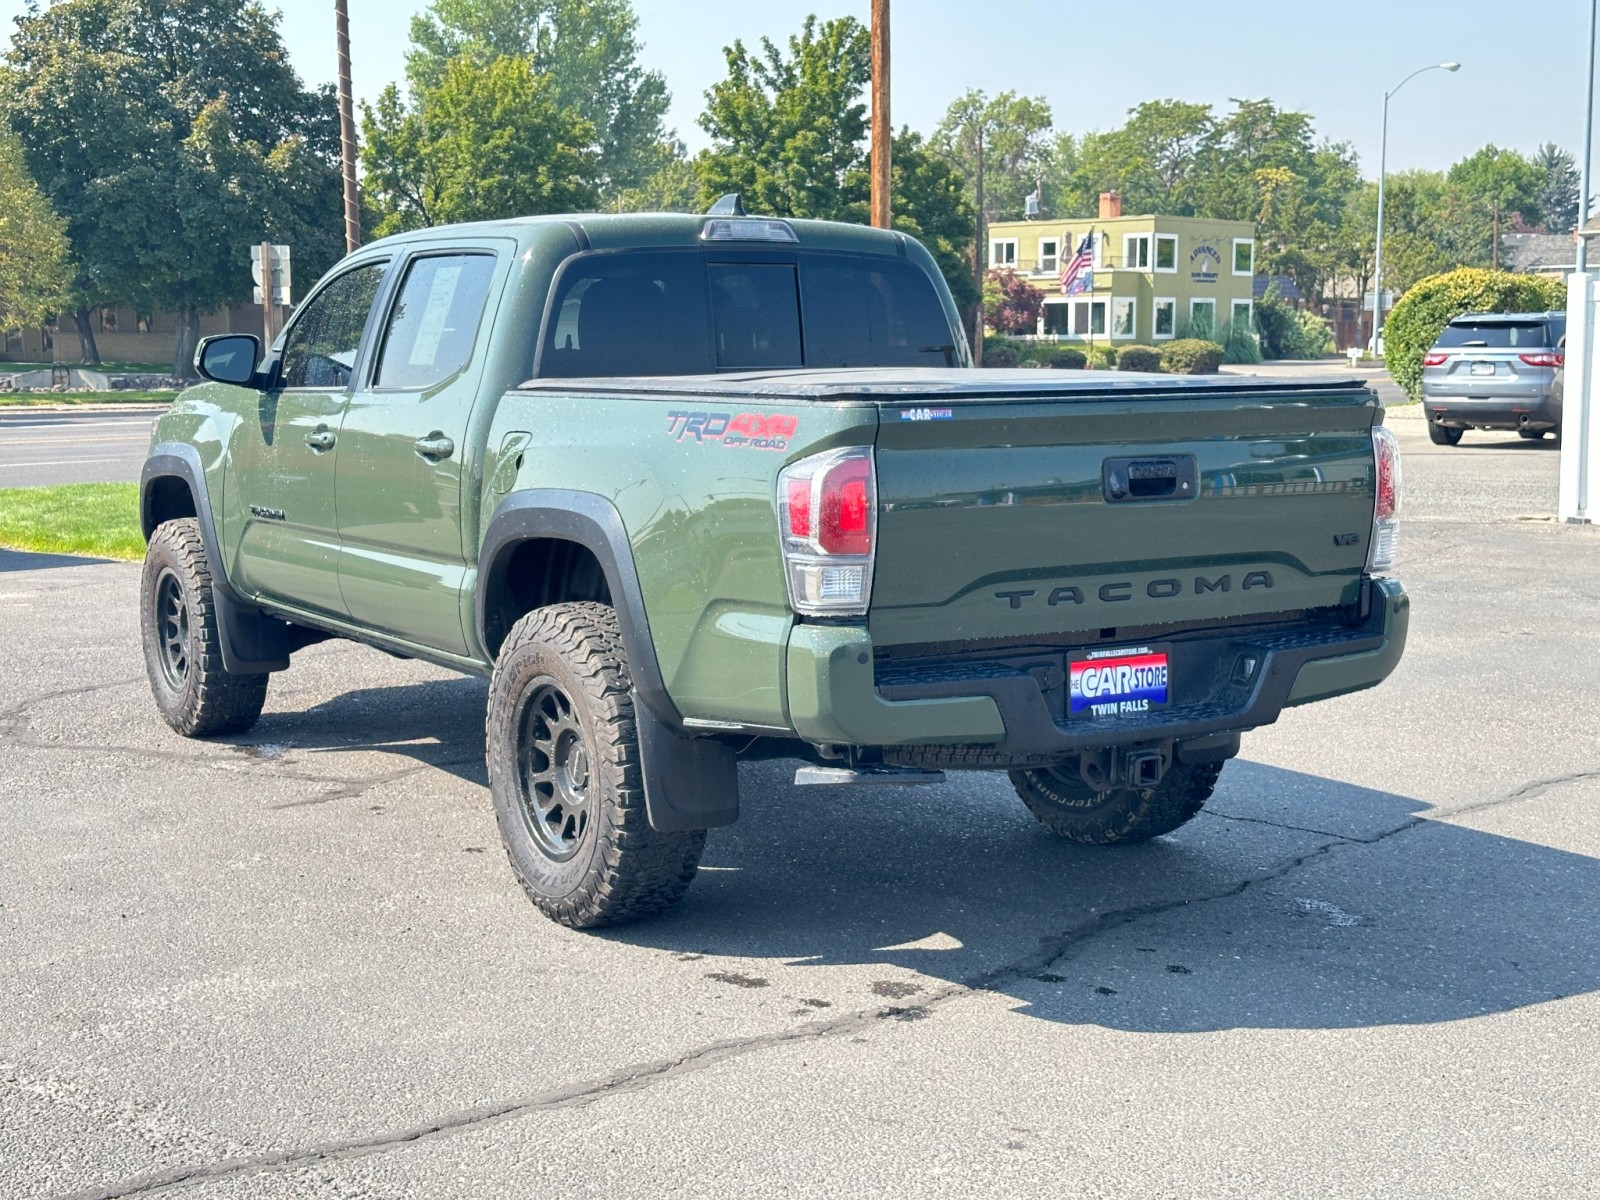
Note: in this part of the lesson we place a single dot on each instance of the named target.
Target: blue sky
(1521, 82)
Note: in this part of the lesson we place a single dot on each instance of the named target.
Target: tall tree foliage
(1015, 149)
(489, 140)
(1558, 191)
(171, 135)
(590, 51)
(789, 131)
(35, 272)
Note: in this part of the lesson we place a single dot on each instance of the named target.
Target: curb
(7, 409)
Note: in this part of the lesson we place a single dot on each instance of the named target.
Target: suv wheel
(1443, 435)
(1067, 806)
(564, 770)
(182, 639)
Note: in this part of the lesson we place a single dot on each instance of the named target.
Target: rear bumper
(838, 696)
(1540, 411)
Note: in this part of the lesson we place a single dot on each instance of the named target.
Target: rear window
(1496, 335)
(694, 312)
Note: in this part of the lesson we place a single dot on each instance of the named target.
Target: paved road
(294, 964)
(72, 447)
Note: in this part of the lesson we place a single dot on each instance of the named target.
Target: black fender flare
(689, 782)
(252, 643)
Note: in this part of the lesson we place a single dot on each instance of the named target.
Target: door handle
(435, 446)
(321, 440)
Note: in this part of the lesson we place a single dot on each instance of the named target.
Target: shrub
(1138, 358)
(997, 352)
(1239, 344)
(1313, 336)
(1416, 320)
(1191, 356)
(1010, 304)
(1275, 323)
(1061, 358)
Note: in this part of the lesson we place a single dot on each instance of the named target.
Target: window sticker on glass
(434, 315)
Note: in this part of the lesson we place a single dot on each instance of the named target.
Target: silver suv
(1495, 371)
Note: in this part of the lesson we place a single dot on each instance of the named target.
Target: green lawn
(97, 519)
(115, 368)
(34, 399)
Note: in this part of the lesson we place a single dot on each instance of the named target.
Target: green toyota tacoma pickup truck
(691, 490)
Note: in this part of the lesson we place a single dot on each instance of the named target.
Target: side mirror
(228, 357)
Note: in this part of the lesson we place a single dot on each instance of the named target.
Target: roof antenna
(729, 206)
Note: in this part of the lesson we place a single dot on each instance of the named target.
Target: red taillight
(1386, 501)
(1434, 359)
(798, 494)
(845, 526)
(1545, 358)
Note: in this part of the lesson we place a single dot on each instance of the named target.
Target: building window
(1244, 256)
(108, 320)
(1049, 255)
(1057, 318)
(1166, 317)
(1122, 316)
(1241, 315)
(1003, 253)
(1088, 318)
(1167, 253)
(1202, 319)
(1136, 251)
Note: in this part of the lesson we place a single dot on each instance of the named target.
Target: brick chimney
(1110, 205)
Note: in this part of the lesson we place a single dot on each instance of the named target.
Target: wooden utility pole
(347, 127)
(882, 130)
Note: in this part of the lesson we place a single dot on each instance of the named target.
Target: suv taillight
(828, 520)
(1434, 358)
(1545, 358)
(1386, 503)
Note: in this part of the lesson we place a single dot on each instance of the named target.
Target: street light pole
(347, 127)
(1588, 140)
(1383, 162)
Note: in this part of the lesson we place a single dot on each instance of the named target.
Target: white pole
(1580, 439)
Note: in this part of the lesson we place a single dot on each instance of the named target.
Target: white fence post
(1580, 431)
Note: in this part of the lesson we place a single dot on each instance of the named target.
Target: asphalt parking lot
(295, 964)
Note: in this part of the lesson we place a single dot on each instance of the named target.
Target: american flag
(1075, 273)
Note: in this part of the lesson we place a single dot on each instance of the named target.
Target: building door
(403, 448)
(279, 523)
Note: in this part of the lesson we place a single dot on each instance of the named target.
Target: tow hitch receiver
(1104, 770)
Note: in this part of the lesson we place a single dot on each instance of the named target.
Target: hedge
(997, 353)
(1061, 358)
(1428, 306)
(1138, 358)
(1191, 356)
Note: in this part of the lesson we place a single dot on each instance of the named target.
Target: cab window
(320, 348)
(434, 321)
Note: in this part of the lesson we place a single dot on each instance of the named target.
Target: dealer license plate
(1483, 368)
(1117, 683)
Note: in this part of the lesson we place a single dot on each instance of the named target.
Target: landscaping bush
(1287, 332)
(1102, 358)
(1239, 344)
(1313, 336)
(1138, 358)
(1429, 305)
(1010, 304)
(997, 352)
(1060, 358)
(1191, 356)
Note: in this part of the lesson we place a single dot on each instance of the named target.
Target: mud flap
(252, 643)
(689, 783)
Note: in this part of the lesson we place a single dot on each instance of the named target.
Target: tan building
(122, 334)
(1155, 277)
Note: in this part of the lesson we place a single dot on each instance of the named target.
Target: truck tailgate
(1009, 518)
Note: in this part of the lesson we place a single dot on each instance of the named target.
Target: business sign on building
(1205, 262)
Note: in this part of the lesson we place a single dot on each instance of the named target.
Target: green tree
(673, 188)
(588, 48)
(1558, 193)
(1151, 160)
(171, 135)
(488, 141)
(34, 267)
(1015, 149)
(786, 129)
(1491, 188)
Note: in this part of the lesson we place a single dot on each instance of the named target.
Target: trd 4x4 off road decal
(744, 431)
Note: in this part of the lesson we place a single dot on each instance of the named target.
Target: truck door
(282, 531)
(404, 449)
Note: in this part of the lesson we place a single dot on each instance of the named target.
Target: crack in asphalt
(641, 1076)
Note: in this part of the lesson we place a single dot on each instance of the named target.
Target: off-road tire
(183, 641)
(1067, 806)
(1443, 435)
(588, 857)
